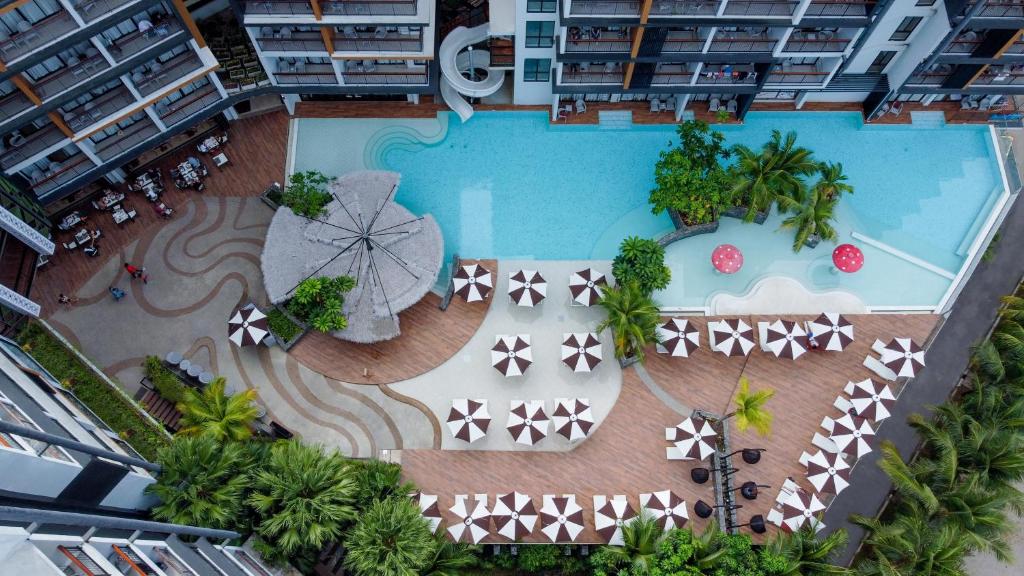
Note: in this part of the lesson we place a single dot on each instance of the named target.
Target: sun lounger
(712, 342)
(878, 346)
(670, 104)
(842, 404)
(762, 336)
(876, 366)
(848, 390)
(775, 517)
(674, 453)
(731, 106)
(670, 434)
(828, 424)
(824, 443)
(804, 458)
(655, 105)
(581, 106)
(714, 105)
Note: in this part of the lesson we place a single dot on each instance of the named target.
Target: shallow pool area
(511, 185)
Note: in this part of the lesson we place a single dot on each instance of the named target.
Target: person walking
(131, 270)
(67, 301)
(117, 293)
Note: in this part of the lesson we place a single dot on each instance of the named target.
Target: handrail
(41, 516)
(77, 446)
(81, 158)
(188, 100)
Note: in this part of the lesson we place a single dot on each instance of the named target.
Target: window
(906, 28)
(925, 3)
(881, 61)
(540, 34)
(544, 6)
(537, 70)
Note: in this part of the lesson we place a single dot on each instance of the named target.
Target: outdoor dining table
(109, 200)
(70, 220)
(82, 236)
(208, 145)
(121, 215)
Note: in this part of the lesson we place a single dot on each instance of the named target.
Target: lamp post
(472, 70)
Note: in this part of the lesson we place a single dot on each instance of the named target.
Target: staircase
(162, 409)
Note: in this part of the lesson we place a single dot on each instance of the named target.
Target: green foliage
(689, 178)
(805, 555)
(165, 381)
(704, 146)
(632, 318)
(813, 214)
(112, 407)
(642, 260)
(390, 538)
(306, 193)
(378, 480)
(641, 540)
(319, 301)
(450, 558)
(749, 408)
(282, 326)
(722, 115)
(214, 414)
(990, 251)
(777, 171)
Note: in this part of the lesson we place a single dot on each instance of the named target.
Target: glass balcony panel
(369, 8)
(279, 8)
(760, 8)
(189, 105)
(13, 104)
(348, 39)
(130, 45)
(839, 8)
(169, 72)
(36, 35)
(1000, 9)
(604, 8)
(60, 173)
(296, 42)
(672, 75)
(33, 144)
(69, 76)
(93, 111)
(741, 41)
(127, 138)
(386, 74)
(684, 7)
(727, 74)
(815, 41)
(91, 10)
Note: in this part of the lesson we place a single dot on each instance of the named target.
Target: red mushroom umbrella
(847, 258)
(727, 259)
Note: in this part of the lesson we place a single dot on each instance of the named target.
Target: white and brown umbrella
(514, 515)
(572, 418)
(677, 337)
(474, 519)
(468, 419)
(527, 422)
(512, 355)
(800, 508)
(733, 336)
(904, 357)
(561, 518)
(581, 351)
(695, 438)
(667, 509)
(610, 515)
(871, 400)
(472, 282)
(527, 287)
(428, 508)
(247, 327)
(828, 473)
(586, 286)
(851, 433)
(786, 339)
(834, 329)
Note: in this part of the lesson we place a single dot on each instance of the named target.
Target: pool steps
(904, 256)
(979, 221)
(400, 137)
(925, 119)
(614, 119)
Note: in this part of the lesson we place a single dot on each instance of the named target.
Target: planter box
(304, 329)
(268, 195)
(684, 231)
(812, 241)
(628, 361)
(740, 212)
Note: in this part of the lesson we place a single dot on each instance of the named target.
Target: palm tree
(832, 183)
(760, 178)
(750, 409)
(201, 483)
(640, 540)
(391, 538)
(633, 318)
(214, 414)
(377, 480)
(910, 546)
(812, 216)
(708, 547)
(805, 555)
(450, 558)
(303, 496)
(1008, 336)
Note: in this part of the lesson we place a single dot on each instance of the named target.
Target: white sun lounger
(712, 342)
(828, 424)
(762, 336)
(876, 366)
(670, 434)
(674, 453)
(804, 458)
(848, 389)
(824, 443)
(842, 404)
(775, 517)
(878, 346)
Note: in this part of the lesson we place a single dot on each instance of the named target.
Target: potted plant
(760, 178)
(632, 318)
(318, 301)
(306, 193)
(814, 211)
(642, 261)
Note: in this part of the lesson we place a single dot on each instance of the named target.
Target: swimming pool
(512, 185)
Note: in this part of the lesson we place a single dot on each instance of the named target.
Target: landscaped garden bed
(285, 327)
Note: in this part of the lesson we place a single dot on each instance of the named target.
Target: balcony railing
(839, 8)
(928, 78)
(729, 75)
(279, 8)
(605, 8)
(113, 146)
(369, 7)
(1015, 48)
(671, 75)
(1004, 9)
(683, 42)
(59, 81)
(174, 69)
(298, 42)
(127, 46)
(760, 8)
(797, 76)
(34, 144)
(191, 104)
(821, 45)
(1001, 79)
(13, 104)
(962, 46)
(373, 42)
(37, 35)
(67, 171)
(387, 75)
(305, 74)
(93, 111)
(592, 77)
(602, 45)
(91, 10)
(743, 44)
(684, 7)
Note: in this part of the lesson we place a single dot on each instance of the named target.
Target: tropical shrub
(642, 260)
(319, 302)
(632, 317)
(390, 538)
(164, 381)
(812, 216)
(777, 171)
(282, 326)
(536, 559)
(378, 480)
(689, 178)
(214, 414)
(306, 193)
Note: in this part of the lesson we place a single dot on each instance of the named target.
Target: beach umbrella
(581, 351)
(527, 287)
(850, 433)
(527, 422)
(472, 282)
(733, 337)
(799, 508)
(847, 258)
(572, 418)
(610, 515)
(474, 523)
(247, 327)
(585, 286)
(828, 473)
(903, 356)
(468, 419)
(428, 508)
(786, 339)
(727, 259)
(512, 355)
(667, 509)
(695, 438)
(835, 329)
(514, 515)
(561, 518)
(677, 337)
(870, 400)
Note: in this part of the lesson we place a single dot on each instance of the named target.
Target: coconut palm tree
(640, 540)
(377, 480)
(391, 538)
(214, 414)
(910, 546)
(778, 170)
(633, 318)
(1008, 336)
(832, 183)
(806, 555)
(202, 482)
(450, 558)
(750, 410)
(303, 496)
(811, 216)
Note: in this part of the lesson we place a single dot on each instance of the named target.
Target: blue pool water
(511, 185)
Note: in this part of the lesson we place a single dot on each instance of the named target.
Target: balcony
(305, 41)
(839, 9)
(72, 75)
(1003, 9)
(369, 8)
(161, 75)
(33, 36)
(605, 8)
(684, 8)
(60, 174)
(194, 103)
(797, 74)
(587, 73)
(999, 78)
(760, 8)
(1015, 48)
(382, 40)
(127, 46)
(279, 8)
(33, 144)
(13, 104)
(386, 75)
(671, 75)
(303, 73)
(725, 74)
(93, 111)
(823, 41)
(126, 139)
(588, 39)
(682, 41)
(91, 10)
(741, 42)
